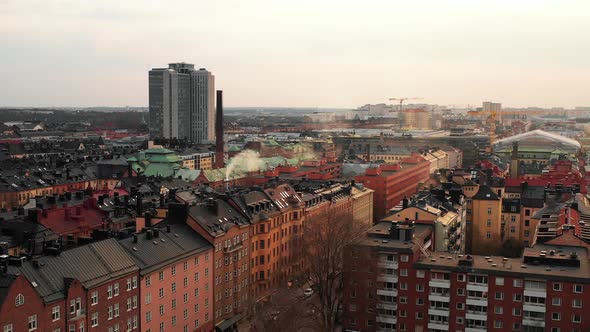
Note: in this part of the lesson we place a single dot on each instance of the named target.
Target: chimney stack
(219, 151)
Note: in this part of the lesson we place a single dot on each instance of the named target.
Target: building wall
(192, 278)
(18, 316)
(231, 273)
(487, 225)
(362, 207)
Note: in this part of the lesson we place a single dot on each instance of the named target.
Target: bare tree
(325, 236)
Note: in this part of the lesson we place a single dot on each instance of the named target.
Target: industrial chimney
(219, 154)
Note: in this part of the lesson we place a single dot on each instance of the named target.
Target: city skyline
(302, 55)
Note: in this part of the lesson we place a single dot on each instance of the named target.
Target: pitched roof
(485, 193)
(91, 264)
(152, 254)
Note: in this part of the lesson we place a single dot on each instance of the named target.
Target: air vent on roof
(523, 266)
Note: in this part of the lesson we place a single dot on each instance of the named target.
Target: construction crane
(401, 101)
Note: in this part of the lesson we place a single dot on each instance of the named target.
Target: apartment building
(544, 290)
(175, 278)
(90, 288)
(392, 183)
(228, 231)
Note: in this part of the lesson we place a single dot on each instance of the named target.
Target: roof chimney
(219, 151)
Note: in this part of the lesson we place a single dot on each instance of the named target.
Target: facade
(417, 118)
(228, 231)
(393, 285)
(392, 183)
(181, 103)
(362, 205)
(176, 278)
(90, 288)
(197, 160)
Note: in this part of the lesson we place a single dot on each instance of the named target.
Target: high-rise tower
(182, 103)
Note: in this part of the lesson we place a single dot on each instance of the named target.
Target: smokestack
(219, 154)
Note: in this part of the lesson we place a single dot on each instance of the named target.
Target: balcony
(477, 287)
(442, 297)
(387, 264)
(476, 315)
(475, 329)
(386, 306)
(479, 301)
(535, 292)
(438, 326)
(536, 322)
(387, 292)
(439, 312)
(440, 283)
(387, 278)
(232, 247)
(386, 319)
(534, 307)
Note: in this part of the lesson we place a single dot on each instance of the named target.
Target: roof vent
(494, 265)
(523, 266)
(433, 259)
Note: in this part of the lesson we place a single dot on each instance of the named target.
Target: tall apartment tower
(182, 103)
(491, 106)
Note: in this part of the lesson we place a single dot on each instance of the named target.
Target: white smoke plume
(245, 161)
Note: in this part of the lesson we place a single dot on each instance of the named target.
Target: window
(94, 298)
(403, 272)
(459, 320)
(488, 235)
(515, 326)
(404, 258)
(556, 301)
(461, 291)
(174, 320)
(32, 323)
(174, 270)
(419, 301)
(499, 281)
(161, 310)
(576, 318)
(129, 304)
(497, 324)
(94, 320)
(134, 282)
(134, 301)
(489, 211)
(461, 277)
(352, 307)
(148, 316)
(161, 292)
(116, 309)
(577, 288)
(185, 282)
(420, 273)
(185, 265)
(576, 303)
(557, 286)
(81, 328)
(55, 313)
(116, 289)
(403, 299)
(517, 297)
(161, 275)
(19, 300)
(148, 281)
(498, 310)
(173, 287)
(110, 313)
(148, 298)
(556, 316)
(128, 284)
(517, 283)
(7, 328)
(419, 315)
(516, 312)
(499, 295)
(460, 306)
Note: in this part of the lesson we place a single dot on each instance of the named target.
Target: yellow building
(486, 222)
(362, 205)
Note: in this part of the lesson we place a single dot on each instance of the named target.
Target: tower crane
(401, 101)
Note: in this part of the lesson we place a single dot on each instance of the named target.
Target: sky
(305, 53)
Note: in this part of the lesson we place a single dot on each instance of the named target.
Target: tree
(326, 234)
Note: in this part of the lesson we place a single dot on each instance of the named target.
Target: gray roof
(92, 265)
(151, 255)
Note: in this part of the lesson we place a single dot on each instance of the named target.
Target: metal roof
(92, 265)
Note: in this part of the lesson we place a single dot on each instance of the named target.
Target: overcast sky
(315, 53)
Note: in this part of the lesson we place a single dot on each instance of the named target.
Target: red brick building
(393, 182)
(176, 278)
(90, 288)
(392, 283)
